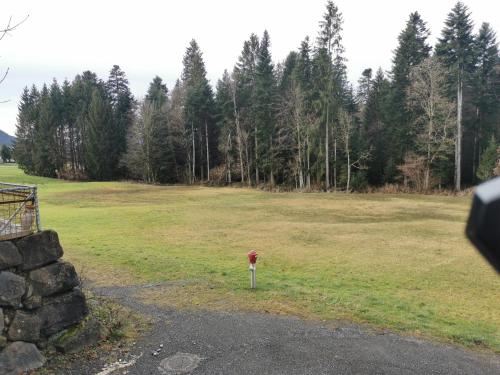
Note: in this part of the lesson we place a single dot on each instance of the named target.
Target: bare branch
(5, 75)
(3, 33)
(10, 27)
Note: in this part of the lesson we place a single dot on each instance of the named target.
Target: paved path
(246, 343)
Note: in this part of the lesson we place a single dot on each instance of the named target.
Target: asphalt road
(245, 343)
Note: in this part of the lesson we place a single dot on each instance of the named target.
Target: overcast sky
(148, 38)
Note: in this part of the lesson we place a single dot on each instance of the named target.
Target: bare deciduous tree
(3, 33)
(345, 130)
(239, 133)
(414, 170)
(434, 122)
(140, 139)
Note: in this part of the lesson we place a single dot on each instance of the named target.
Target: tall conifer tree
(122, 103)
(330, 50)
(265, 96)
(199, 112)
(412, 50)
(486, 89)
(456, 48)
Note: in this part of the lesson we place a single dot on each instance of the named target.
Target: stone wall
(39, 298)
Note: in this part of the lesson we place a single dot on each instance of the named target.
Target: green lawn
(396, 261)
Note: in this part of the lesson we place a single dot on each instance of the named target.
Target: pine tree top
(456, 43)
(194, 67)
(412, 49)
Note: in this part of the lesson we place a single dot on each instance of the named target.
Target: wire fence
(19, 211)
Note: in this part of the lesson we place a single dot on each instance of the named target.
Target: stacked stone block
(39, 298)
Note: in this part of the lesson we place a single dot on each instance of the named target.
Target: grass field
(394, 261)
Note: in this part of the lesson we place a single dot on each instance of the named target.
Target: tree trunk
(334, 161)
(271, 164)
(308, 163)
(348, 164)
(249, 182)
(256, 158)
(208, 151)
(297, 119)
(228, 157)
(238, 133)
(194, 155)
(189, 169)
(458, 139)
(476, 153)
(72, 149)
(427, 177)
(299, 144)
(240, 149)
(429, 160)
(327, 164)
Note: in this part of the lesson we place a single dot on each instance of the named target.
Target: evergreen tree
(304, 87)
(45, 145)
(225, 124)
(71, 167)
(148, 156)
(329, 52)
(288, 147)
(122, 103)
(99, 137)
(488, 161)
(456, 48)
(177, 135)
(411, 51)
(199, 113)
(57, 129)
(27, 119)
(82, 90)
(160, 154)
(157, 92)
(6, 153)
(303, 68)
(364, 87)
(243, 92)
(486, 88)
(381, 166)
(264, 104)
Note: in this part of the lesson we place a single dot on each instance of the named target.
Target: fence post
(37, 208)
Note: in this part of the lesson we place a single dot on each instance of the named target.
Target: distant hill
(6, 139)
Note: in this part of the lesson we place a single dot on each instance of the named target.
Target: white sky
(148, 38)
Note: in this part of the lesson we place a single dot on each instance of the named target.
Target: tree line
(432, 121)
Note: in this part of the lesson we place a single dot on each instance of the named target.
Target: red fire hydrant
(252, 259)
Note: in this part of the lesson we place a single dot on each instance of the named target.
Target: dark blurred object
(483, 226)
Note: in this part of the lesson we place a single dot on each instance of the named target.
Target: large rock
(32, 301)
(24, 327)
(62, 311)
(12, 289)
(54, 278)
(9, 255)
(74, 339)
(39, 249)
(19, 358)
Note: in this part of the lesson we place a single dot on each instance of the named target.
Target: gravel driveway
(200, 342)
